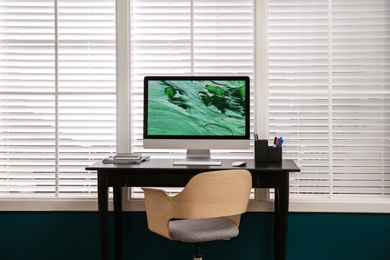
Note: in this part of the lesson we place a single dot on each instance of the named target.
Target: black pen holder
(274, 153)
(265, 153)
(261, 150)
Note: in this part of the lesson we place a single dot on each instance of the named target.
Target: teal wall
(75, 235)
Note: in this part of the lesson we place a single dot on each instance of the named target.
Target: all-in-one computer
(197, 113)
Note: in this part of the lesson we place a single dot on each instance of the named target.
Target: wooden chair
(209, 208)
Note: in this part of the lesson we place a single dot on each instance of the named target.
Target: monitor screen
(200, 112)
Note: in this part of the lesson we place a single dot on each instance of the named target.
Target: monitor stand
(198, 154)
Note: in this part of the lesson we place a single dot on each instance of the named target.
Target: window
(57, 95)
(329, 95)
(187, 37)
(326, 74)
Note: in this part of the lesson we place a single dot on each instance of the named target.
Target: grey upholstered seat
(202, 230)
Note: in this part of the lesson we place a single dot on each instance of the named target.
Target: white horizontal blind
(27, 101)
(57, 110)
(187, 37)
(329, 91)
(86, 90)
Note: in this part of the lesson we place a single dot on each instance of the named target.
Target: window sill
(339, 205)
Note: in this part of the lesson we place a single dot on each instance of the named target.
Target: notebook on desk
(111, 159)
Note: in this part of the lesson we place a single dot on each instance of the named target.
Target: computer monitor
(197, 113)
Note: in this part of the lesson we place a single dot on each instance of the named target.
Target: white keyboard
(201, 163)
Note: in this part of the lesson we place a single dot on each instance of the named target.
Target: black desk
(162, 173)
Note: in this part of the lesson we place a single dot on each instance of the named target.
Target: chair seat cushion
(202, 230)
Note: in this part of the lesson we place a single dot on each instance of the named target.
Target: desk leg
(281, 217)
(103, 215)
(118, 222)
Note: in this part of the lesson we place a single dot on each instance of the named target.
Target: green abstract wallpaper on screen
(196, 108)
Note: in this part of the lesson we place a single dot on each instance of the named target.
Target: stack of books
(126, 158)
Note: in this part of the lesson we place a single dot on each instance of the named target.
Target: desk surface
(163, 164)
(162, 173)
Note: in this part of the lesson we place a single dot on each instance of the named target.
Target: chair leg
(197, 255)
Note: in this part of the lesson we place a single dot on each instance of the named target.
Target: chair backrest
(211, 194)
(214, 194)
